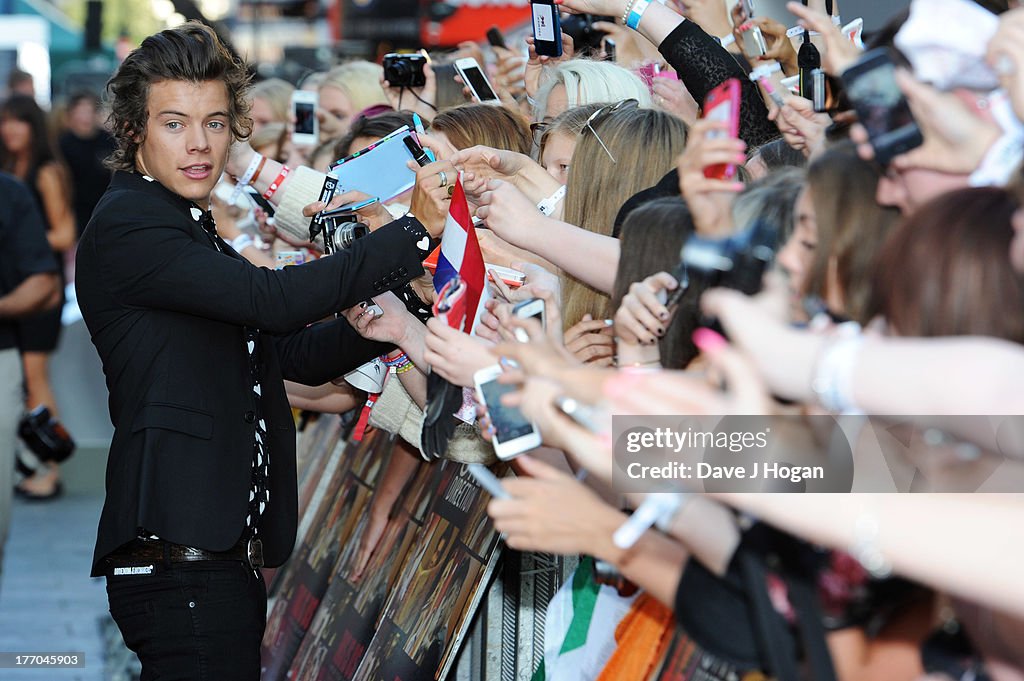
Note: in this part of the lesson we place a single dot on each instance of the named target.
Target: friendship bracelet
(637, 13)
(278, 181)
(399, 359)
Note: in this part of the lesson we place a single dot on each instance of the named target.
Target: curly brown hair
(191, 52)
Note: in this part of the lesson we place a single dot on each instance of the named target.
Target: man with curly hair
(195, 344)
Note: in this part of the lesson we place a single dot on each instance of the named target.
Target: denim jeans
(193, 621)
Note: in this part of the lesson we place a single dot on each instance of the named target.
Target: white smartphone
(512, 278)
(307, 127)
(529, 309)
(513, 433)
(474, 78)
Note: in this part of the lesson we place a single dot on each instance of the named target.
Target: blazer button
(403, 272)
(250, 417)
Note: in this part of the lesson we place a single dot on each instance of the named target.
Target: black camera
(405, 70)
(585, 38)
(738, 261)
(45, 436)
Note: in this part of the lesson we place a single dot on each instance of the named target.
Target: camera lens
(347, 233)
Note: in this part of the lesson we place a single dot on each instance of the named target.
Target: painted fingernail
(708, 340)
(652, 340)
(661, 331)
(609, 322)
(663, 316)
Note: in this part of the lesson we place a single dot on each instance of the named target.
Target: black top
(84, 158)
(703, 64)
(167, 311)
(24, 250)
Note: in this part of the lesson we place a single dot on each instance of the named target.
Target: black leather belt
(247, 550)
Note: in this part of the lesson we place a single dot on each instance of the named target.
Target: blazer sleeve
(156, 261)
(324, 351)
(703, 64)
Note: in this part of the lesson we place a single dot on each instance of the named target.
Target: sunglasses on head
(603, 113)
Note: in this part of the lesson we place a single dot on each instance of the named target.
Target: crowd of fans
(895, 288)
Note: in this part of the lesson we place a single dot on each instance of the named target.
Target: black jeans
(194, 621)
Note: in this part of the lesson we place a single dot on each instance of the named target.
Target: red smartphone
(723, 104)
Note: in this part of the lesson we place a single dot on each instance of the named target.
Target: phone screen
(543, 22)
(509, 422)
(479, 84)
(879, 100)
(305, 118)
(722, 113)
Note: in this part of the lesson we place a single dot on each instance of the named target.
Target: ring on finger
(444, 178)
(451, 190)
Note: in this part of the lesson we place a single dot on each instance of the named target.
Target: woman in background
(28, 153)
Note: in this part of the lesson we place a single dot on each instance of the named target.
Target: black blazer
(166, 312)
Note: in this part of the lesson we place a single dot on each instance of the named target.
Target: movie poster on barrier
(319, 442)
(313, 564)
(319, 453)
(442, 583)
(347, 618)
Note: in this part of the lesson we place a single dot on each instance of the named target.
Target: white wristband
(727, 40)
(246, 179)
(1000, 162)
(241, 242)
(547, 206)
(765, 70)
(833, 377)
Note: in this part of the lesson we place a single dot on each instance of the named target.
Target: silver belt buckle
(254, 549)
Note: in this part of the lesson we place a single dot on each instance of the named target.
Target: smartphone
(495, 38)
(723, 104)
(488, 480)
(529, 309)
(307, 127)
(871, 85)
(682, 277)
(753, 42)
(547, 28)
(512, 278)
(609, 50)
(258, 200)
(473, 77)
(513, 433)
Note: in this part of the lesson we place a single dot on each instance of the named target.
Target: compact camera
(341, 232)
(405, 70)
